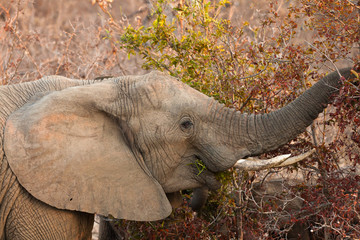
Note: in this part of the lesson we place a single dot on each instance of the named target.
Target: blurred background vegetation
(255, 56)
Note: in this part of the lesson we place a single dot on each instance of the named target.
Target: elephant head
(117, 146)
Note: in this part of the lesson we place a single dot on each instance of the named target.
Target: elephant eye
(186, 124)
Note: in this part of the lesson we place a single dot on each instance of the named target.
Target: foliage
(257, 67)
(200, 166)
(182, 224)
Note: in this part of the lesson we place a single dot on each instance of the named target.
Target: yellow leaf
(355, 73)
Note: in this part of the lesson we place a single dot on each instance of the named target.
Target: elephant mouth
(205, 175)
(214, 158)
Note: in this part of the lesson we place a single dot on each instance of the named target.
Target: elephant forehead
(160, 91)
(184, 100)
(164, 84)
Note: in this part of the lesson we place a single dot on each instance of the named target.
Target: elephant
(74, 148)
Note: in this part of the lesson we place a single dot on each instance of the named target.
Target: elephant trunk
(199, 198)
(279, 127)
(250, 135)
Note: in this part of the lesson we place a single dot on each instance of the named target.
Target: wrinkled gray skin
(199, 198)
(165, 124)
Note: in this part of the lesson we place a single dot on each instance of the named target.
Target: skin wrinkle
(158, 171)
(242, 125)
(9, 199)
(163, 160)
(134, 102)
(7, 99)
(224, 116)
(308, 116)
(267, 125)
(3, 170)
(249, 126)
(235, 130)
(232, 129)
(293, 115)
(220, 114)
(128, 104)
(260, 126)
(256, 130)
(213, 111)
(226, 132)
(246, 141)
(275, 128)
(123, 96)
(167, 152)
(221, 131)
(154, 90)
(218, 119)
(25, 211)
(247, 129)
(143, 153)
(283, 119)
(125, 99)
(19, 92)
(146, 152)
(310, 100)
(8, 182)
(149, 157)
(7, 193)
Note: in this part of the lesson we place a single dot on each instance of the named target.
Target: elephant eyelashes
(186, 124)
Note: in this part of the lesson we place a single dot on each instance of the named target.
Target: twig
(327, 57)
(255, 75)
(65, 52)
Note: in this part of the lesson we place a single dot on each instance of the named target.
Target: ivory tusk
(251, 164)
(295, 159)
(254, 165)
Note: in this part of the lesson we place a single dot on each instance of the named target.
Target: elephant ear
(70, 154)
